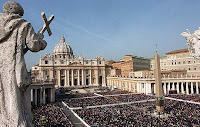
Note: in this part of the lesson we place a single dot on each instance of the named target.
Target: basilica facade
(67, 70)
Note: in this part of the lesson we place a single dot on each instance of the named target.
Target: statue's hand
(40, 35)
(44, 44)
(186, 35)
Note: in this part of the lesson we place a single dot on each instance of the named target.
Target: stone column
(173, 86)
(177, 87)
(158, 84)
(97, 76)
(36, 97)
(197, 88)
(78, 77)
(52, 95)
(51, 74)
(90, 77)
(145, 88)
(148, 88)
(31, 95)
(192, 88)
(72, 72)
(182, 87)
(66, 78)
(83, 79)
(44, 97)
(104, 78)
(41, 102)
(168, 87)
(138, 89)
(59, 78)
(187, 88)
(128, 85)
(164, 89)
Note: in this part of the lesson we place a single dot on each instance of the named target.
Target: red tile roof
(177, 51)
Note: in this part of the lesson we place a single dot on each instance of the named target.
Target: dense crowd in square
(191, 97)
(125, 115)
(54, 115)
(84, 102)
(179, 114)
(114, 92)
(132, 97)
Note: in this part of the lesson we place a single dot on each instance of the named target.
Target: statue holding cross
(17, 36)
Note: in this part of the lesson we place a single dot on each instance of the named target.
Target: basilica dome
(63, 48)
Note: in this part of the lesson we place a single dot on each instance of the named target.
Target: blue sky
(113, 28)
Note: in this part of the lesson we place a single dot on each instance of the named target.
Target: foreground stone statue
(16, 36)
(193, 42)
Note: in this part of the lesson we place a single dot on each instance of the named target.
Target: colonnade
(147, 86)
(74, 77)
(41, 95)
(188, 87)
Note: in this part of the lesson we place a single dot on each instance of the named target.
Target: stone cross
(156, 48)
(45, 27)
(46, 24)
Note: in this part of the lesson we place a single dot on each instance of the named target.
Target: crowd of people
(52, 115)
(191, 97)
(179, 114)
(84, 102)
(114, 92)
(138, 114)
(133, 97)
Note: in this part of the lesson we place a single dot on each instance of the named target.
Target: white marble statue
(16, 35)
(193, 42)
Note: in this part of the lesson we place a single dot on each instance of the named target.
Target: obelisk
(159, 89)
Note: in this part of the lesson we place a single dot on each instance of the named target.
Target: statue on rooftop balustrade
(193, 42)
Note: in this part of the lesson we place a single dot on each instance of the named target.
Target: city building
(179, 72)
(132, 63)
(66, 70)
(177, 63)
(182, 60)
(144, 73)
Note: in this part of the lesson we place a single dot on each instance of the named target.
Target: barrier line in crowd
(119, 104)
(75, 108)
(183, 100)
(76, 115)
(80, 119)
(65, 105)
(98, 94)
(119, 94)
(84, 97)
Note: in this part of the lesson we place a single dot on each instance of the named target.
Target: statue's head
(12, 7)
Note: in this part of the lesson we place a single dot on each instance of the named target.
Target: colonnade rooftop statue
(17, 36)
(193, 42)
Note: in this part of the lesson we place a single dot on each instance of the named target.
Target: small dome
(63, 48)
